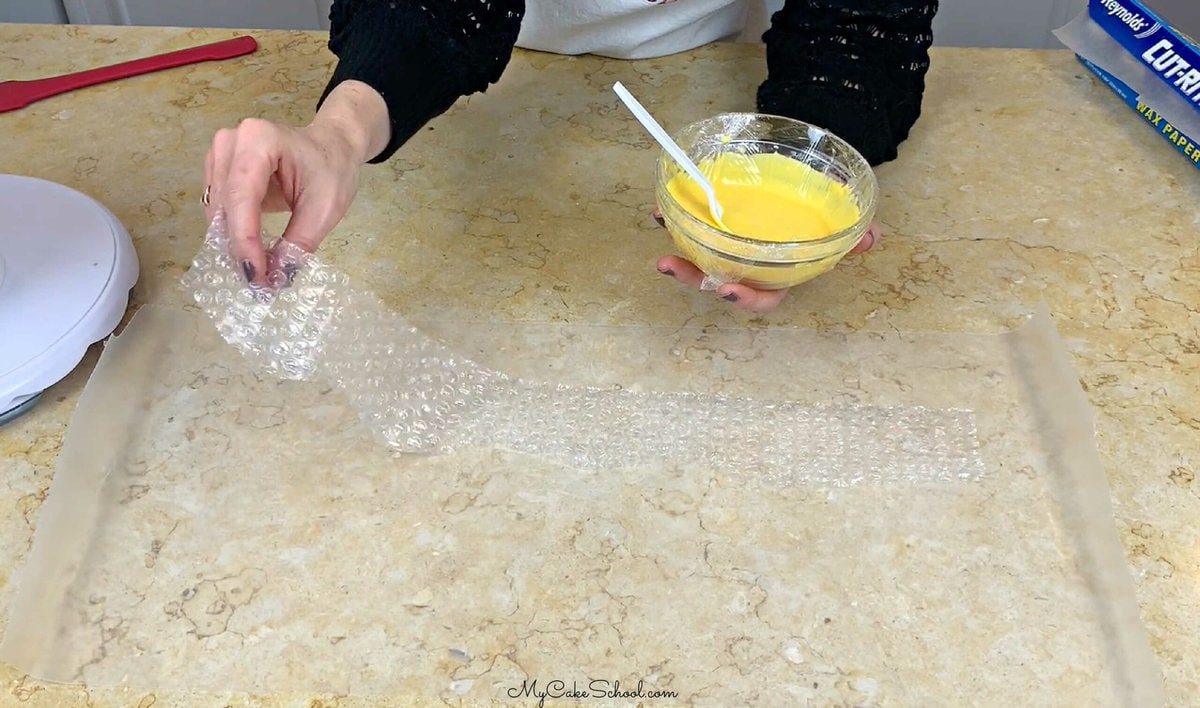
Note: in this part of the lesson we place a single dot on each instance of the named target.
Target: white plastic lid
(66, 268)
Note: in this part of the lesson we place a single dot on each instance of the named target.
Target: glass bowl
(727, 257)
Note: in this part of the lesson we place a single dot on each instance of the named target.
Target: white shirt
(635, 29)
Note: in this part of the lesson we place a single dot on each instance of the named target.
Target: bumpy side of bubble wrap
(310, 323)
(780, 442)
(420, 396)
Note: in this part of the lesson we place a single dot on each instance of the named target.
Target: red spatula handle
(24, 93)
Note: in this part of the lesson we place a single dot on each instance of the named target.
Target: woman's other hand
(742, 296)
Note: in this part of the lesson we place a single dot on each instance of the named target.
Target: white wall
(40, 11)
(239, 14)
(1003, 23)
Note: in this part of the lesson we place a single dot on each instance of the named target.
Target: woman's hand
(741, 296)
(313, 172)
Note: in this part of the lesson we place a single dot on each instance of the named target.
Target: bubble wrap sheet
(213, 527)
(420, 396)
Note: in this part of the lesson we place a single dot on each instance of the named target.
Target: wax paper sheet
(213, 527)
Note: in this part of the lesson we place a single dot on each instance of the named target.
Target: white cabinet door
(239, 14)
(959, 23)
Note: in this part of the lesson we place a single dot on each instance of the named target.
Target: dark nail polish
(248, 271)
(731, 297)
(666, 271)
(290, 270)
(661, 222)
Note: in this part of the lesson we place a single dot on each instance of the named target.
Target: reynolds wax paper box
(1151, 61)
(1164, 49)
(1190, 148)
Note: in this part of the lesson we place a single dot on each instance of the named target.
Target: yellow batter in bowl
(796, 199)
(769, 197)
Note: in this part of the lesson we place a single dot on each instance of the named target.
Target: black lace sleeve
(421, 55)
(855, 67)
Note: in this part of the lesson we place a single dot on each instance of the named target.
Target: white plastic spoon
(672, 149)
